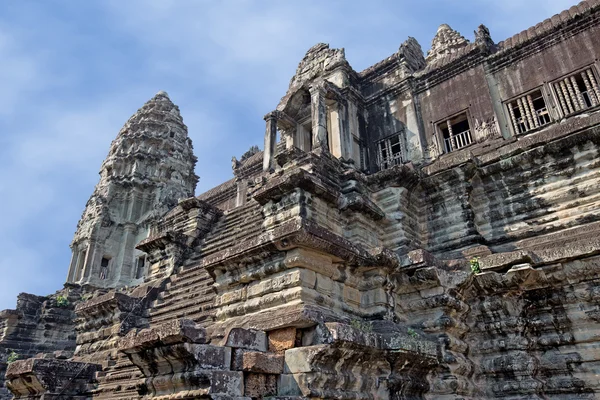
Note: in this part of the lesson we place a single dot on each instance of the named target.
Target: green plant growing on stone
(361, 325)
(62, 301)
(412, 333)
(12, 357)
(475, 265)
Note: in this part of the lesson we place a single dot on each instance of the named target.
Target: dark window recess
(139, 273)
(390, 152)
(529, 112)
(578, 92)
(456, 133)
(104, 267)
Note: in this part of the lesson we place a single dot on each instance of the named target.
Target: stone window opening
(577, 92)
(456, 133)
(529, 112)
(141, 262)
(104, 268)
(390, 152)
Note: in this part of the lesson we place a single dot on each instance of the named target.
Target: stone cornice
(300, 232)
(276, 187)
(545, 34)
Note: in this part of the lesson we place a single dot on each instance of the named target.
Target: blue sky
(73, 72)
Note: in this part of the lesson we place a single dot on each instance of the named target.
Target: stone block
(499, 261)
(45, 378)
(179, 331)
(209, 356)
(249, 339)
(271, 385)
(258, 362)
(288, 385)
(255, 385)
(299, 359)
(282, 339)
(227, 383)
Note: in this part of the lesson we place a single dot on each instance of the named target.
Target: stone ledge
(47, 377)
(249, 339)
(396, 341)
(553, 253)
(178, 331)
(111, 300)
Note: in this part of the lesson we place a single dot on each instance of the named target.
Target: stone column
(73, 264)
(88, 263)
(124, 258)
(319, 117)
(270, 140)
(343, 129)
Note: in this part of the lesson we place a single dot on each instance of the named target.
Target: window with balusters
(389, 152)
(529, 112)
(577, 92)
(456, 133)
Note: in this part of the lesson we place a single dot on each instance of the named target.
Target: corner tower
(150, 165)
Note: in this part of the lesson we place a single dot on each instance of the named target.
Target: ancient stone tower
(150, 165)
(425, 229)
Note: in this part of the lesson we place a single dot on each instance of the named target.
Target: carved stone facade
(425, 229)
(150, 166)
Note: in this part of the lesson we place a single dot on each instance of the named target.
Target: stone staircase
(237, 225)
(119, 380)
(189, 294)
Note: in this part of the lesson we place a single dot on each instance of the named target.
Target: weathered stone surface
(150, 166)
(426, 228)
(282, 339)
(50, 378)
(258, 362)
(249, 339)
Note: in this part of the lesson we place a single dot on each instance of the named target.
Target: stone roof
(446, 41)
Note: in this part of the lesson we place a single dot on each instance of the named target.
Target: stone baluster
(589, 88)
(528, 111)
(451, 134)
(594, 83)
(513, 118)
(319, 117)
(270, 140)
(523, 113)
(572, 95)
(561, 98)
(578, 94)
(534, 117)
(565, 92)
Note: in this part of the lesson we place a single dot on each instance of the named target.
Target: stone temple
(428, 228)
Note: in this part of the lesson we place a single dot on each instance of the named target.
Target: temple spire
(446, 41)
(150, 165)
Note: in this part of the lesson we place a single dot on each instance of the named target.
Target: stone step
(221, 243)
(179, 309)
(182, 297)
(198, 279)
(186, 292)
(206, 316)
